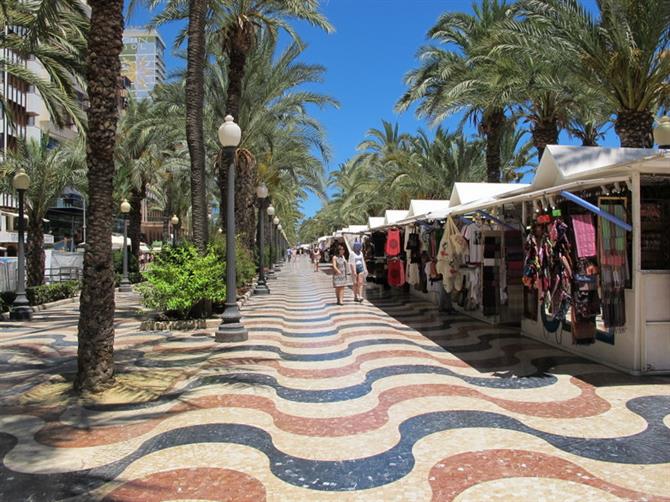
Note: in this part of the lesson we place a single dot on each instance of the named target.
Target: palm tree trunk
(95, 354)
(635, 128)
(245, 181)
(245, 196)
(492, 127)
(195, 85)
(137, 196)
(544, 132)
(35, 252)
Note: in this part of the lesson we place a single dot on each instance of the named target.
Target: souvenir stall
(596, 259)
(422, 231)
(385, 250)
(480, 254)
(373, 250)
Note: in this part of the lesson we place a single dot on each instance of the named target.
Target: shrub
(45, 293)
(245, 261)
(179, 278)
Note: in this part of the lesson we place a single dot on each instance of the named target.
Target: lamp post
(280, 243)
(175, 221)
(662, 133)
(278, 255)
(21, 310)
(273, 251)
(125, 286)
(230, 329)
(261, 286)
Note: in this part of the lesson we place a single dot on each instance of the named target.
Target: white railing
(11, 237)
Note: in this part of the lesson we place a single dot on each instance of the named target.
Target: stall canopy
(464, 193)
(562, 164)
(393, 216)
(424, 210)
(355, 229)
(375, 221)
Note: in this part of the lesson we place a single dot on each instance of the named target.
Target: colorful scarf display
(613, 258)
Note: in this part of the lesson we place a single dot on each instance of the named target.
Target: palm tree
(239, 25)
(50, 171)
(618, 53)
(96, 321)
(196, 54)
(273, 115)
(461, 78)
(53, 33)
(195, 102)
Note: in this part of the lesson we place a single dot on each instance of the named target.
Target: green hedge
(46, 293)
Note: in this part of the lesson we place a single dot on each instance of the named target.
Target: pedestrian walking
(359, 271)
(317, 258)
(289, 252)
(340, 275)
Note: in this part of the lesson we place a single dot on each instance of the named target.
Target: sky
(373, 47)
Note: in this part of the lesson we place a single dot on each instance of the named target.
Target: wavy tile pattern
(388, 400)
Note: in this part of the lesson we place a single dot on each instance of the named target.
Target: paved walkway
(386, 401)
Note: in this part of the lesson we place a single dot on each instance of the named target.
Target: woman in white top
(358, 271)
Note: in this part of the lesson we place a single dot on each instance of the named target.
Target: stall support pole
(639, 353)
(596, 210)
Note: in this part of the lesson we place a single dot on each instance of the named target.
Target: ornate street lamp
(21, 310)
(261, 286)
(662, 133)
(278, 254)
(175, 221)
(230, 329)
(273, 251)
(125, 286)
(280, 243)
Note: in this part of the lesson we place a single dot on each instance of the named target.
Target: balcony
(13, 237)
(34, 103)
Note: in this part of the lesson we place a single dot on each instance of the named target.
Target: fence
(8, 275)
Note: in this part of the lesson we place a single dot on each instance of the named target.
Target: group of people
(349, 271)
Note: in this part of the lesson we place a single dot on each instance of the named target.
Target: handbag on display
(458, 242)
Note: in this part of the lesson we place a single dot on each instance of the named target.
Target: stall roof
(392, 216)
(418, 207)
(464, 193)
(562, 164)
(375, 221)
(355, 229)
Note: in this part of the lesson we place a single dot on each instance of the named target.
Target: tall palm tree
(53, 33)
(459, 77)
(239, 25)
(95, 353)
(273, 114)
(195, 102)
(51, 170)
(196, 55)
(618, 52)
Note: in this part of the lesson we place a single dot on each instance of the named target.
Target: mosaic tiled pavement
(386, 401)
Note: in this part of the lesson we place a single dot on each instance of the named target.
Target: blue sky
(374, 45)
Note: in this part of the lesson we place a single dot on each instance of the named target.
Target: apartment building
(142, 60)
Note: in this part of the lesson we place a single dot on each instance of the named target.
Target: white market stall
(622, 197)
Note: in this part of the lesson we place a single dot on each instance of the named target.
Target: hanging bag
(458, 242)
